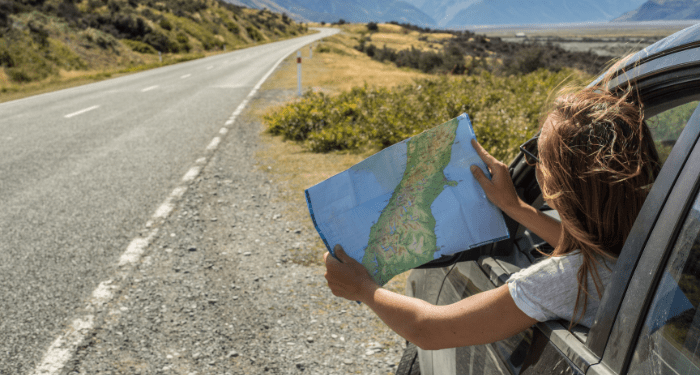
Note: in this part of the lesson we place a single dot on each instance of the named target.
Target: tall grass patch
(505, 111)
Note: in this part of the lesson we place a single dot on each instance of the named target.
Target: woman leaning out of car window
(595, 162)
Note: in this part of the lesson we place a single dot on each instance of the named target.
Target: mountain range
(664, 10)
(462, 13)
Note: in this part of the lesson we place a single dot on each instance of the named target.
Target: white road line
(103, 293)
(214, 143)
(135, 249)
(191, 174)
(81, 111)
(186, 75)
(149, 88)
(66, 344)
(164, 210)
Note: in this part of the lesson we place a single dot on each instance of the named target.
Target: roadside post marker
(299, 72)
(160, 56)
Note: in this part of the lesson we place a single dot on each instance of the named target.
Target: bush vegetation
(491, 54)
(505, 111)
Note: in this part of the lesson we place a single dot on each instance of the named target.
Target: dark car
(649, 321)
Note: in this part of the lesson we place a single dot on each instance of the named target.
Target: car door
(657, 327)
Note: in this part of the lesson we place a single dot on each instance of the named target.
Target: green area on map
(404, 234)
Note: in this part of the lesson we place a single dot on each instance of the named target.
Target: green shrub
(505, 111)
(161, 42)
(254, 33)
(102, 39)
(165, 24)
(139, 47)
(19, 75)
(232, 27)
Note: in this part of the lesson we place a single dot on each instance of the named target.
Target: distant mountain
(500, 12)
(451, 13)
(348, 10)
(442, 11)
(654, 10)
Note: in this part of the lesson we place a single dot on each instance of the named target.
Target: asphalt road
(81, 172)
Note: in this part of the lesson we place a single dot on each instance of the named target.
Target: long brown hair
(598, 162)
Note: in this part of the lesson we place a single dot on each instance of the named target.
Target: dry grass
(339, 70)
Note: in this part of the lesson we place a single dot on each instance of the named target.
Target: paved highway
(83, 170)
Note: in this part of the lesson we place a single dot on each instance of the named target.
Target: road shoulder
(217, 291)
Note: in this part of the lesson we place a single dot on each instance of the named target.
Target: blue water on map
(367, 212)
(457, 205)
(348, 201)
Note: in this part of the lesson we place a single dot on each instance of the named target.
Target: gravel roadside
(218, 290)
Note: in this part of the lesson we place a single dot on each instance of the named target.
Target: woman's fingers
(481, 177)
(340, 253)
(499, 189)
(483, 154)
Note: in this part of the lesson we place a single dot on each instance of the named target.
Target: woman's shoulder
(562, 266)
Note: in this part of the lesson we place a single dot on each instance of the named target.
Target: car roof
(681, 40)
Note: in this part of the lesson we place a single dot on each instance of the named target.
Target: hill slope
(654, 10)
(49, 38)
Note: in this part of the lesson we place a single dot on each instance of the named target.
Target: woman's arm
(501, 192)
(482, 318)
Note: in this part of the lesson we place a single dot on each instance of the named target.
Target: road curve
(83, 169)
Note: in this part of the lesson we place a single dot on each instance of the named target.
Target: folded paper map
(408, 204)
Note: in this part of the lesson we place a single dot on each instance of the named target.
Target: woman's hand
(348, 279)
(499, 189)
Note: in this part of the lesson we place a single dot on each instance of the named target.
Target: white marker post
(299, 72)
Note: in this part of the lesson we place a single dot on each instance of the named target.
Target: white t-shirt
(547, 290)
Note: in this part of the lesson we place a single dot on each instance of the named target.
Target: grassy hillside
(48, 41)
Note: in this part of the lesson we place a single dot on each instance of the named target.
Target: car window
(670, 339)
(667, 126)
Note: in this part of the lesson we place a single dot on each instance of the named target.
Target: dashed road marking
(192, 173)
(81, 111)
(214, 144)
(150, 88)
(65, 345)
(62, 349)
(135, 249)
(164, 210)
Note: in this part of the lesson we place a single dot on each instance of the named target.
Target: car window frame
(656, 248)
(659, 87)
